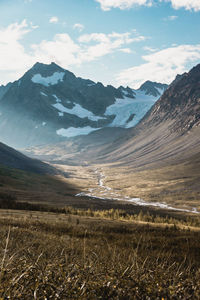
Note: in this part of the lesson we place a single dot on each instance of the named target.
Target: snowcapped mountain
(49, 104)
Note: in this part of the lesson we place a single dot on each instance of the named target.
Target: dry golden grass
(177, 185)
(53, 256)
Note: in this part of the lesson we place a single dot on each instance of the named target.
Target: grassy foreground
(65, 256)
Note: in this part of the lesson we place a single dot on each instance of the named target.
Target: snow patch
(57, 99)
(50, 80)
(124, 108)
(72, 131)
(76, 110)
(43, 94)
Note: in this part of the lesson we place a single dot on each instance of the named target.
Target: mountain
(27, 183)
(158, 160)
(153, 88)
(4, 89)
(11, 158)
(168, 133)
(50, 104)
(169, 130)
(180, 103)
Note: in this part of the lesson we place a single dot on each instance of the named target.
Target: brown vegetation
(59, 256)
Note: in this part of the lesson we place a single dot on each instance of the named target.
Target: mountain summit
(153, 88)
(50, 104)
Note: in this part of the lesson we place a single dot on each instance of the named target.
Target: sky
(118, 42)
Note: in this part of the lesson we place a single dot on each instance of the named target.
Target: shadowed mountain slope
(26, 180)
(14, 159)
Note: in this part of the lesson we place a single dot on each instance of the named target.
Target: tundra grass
(56, 256)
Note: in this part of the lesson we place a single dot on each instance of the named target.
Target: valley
(99, 150)
(134, 189)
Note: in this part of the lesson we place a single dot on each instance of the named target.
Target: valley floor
(59, 242)
(166, 188)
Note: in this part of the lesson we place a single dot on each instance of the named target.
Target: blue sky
(113, 41)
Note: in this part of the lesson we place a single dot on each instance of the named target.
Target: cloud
(33, 26)
(53, 20)
(14, 59)
(187, 4)
(125, 50)
(66, 52)
(79, 27)
(126, 4)
(149, 49)
(122, 4)
(170, 18)
(161, 66)
(101, 44)
(62, 49)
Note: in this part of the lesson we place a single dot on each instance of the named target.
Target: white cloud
(125, 50)
(101, 44)
(79, 27)
(170, 18)
(66, 52)
(187, 4)
(62, 49)
(150, 49)
(161, 66)
(33, 26)
(53, 20)
(122, 4)
(14, 59)
(126, 4)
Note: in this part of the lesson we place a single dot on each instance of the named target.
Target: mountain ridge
(55, 105)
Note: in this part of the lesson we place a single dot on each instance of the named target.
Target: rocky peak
(40, 67)
(153, 88)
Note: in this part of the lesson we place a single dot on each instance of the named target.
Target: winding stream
(106, 193)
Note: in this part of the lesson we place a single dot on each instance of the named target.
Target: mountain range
(170, 128)
(50, 104)
(156, 158)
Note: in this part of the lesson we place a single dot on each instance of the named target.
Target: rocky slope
(180, 103)
(50, 104)
(170, 130)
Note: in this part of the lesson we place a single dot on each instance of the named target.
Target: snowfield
(72, 131)
(51, 80)
(127, 108)
(76, 110)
